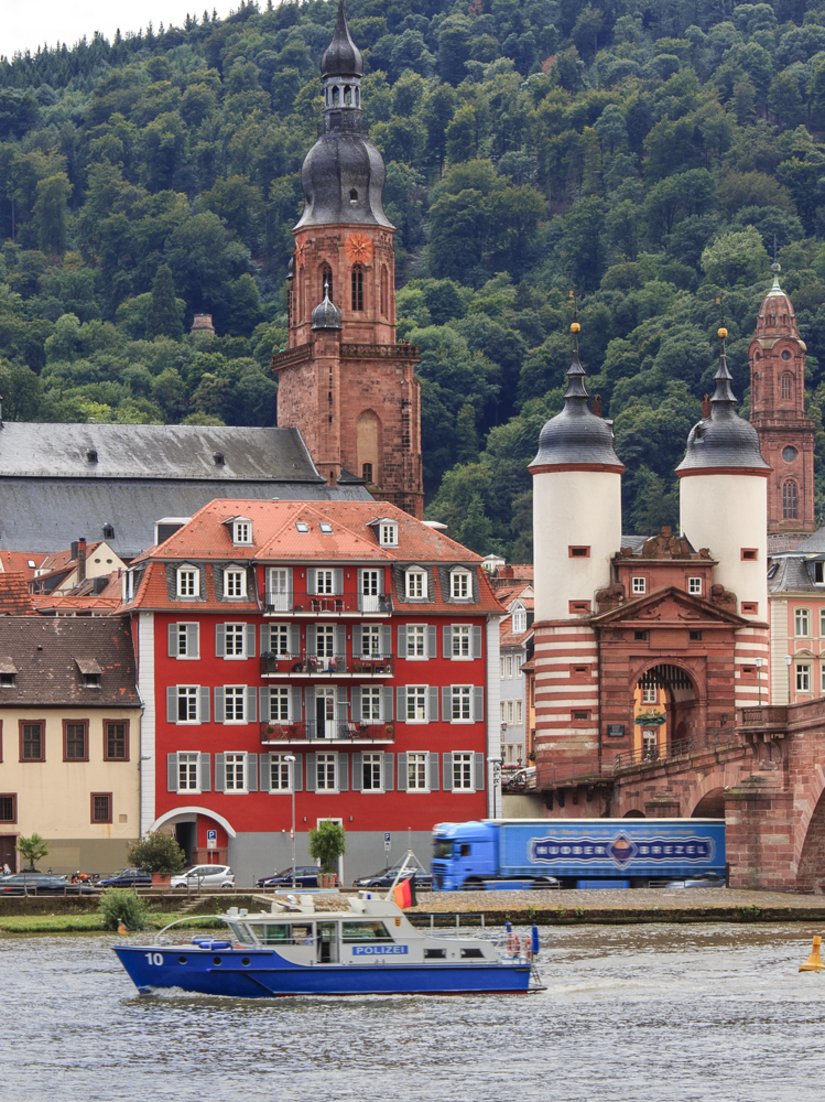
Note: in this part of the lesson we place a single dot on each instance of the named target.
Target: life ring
(513, 945)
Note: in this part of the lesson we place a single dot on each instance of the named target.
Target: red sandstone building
(339, 658)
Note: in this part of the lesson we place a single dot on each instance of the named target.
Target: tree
(32, 849)
(51, 209)
(166, 314)
(327, 842)
(157, 852)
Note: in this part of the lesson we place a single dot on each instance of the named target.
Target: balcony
(313, 667)
(288, 734)
(364, 604)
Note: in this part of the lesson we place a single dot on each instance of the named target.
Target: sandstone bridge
(764, 774)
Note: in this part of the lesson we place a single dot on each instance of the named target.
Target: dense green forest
(650, 154)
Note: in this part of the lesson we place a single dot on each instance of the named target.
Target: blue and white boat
(369, 947)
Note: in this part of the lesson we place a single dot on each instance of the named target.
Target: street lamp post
(759, 663)
(788, 661)
(290, 760)
(495, 779)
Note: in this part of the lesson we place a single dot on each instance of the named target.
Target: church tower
(344, 380)
(786, 436)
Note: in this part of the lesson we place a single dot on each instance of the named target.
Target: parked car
(306, 876)
(701, 880)
(385, 878)
(520, 780)
(205, 876)
(42, 883)
(127, 878)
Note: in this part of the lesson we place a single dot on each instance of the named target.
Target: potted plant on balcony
(159, 854)
(327, 843)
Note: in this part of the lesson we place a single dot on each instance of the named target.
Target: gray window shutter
(386, 641)
(448, 771)
(220, 640)
(338, 580)
(250, 640)
(357, 635)
(402, 772)
(203, 704)
(447, 640)
(386, 772)
(310, 639)
(173, 640)
(311, 584)
(357, 774)
(402, 702)
(478, 771)
(478, 703)
(297, 774)
(295, 705)
(264, 702)
(205, 773)
(220, 772)
(310, 760)
(432, 644)
(357, 714)
(341, 641)
(432, 714)
(251, 705)
(265, 638)
(402, 641)
(343, 772)
(476, 642)
(171, 772)
(220, 707)
(294, 640)
(172, 704)
(447, 703)
(265, 767)
(252, 772)
(432, 769)
(386, 713)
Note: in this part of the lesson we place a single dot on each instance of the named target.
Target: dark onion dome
(342, 57)
(723, 439)
(343, 174)
(577, 437)
(326, 314)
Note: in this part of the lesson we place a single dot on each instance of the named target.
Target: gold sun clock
(359, 248)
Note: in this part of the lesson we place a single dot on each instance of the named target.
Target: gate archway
(668, 710)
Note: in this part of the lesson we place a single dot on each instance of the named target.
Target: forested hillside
(650, 154)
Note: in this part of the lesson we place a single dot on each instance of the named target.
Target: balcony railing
(367, 604)
(312, 666)
(274, 732)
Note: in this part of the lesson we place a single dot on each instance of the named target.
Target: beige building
(69, 740)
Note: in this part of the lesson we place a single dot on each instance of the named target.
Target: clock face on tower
(358, 248)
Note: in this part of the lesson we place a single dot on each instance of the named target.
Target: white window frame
(281, 770)
(650, 694)
(461, 585)
(461, 642)
(183, 632)
(235, 765)
(327, 768)
(237, 633)
(242, 532)
(802, 623)
(374, 762)
(694, 586)
(388, 533)
(324, 581)
(279, 634)
(234, 583)
(802, 678)
(371, 641)
(519, 620)
(325, 636)
(187, 582)
(187, 765)
(415, 645)
(463, 770)
(191, 695)
(415, 584)
(638, 585)
(418, 765)
(280, 695)
(372, 703)
(416, 704)
(236, 711)
(461, 704)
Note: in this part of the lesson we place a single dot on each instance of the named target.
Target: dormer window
(8, 673)
(388, 533)
(188, 581)
(415, 581)
(461, 586)
(241, 531)
(90, 672)
(519, 620)
(234, 582)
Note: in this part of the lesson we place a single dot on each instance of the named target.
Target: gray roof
(813, 543)
(576, 436)
(51, 658)
(790, 574)
(52, 491)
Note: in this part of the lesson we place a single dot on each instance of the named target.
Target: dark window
(695, 636)
(358, 287)
(76, 741)
(8, 807)
(115, 740)
(366, 472)
(578, 552)
(790, 500)
(32, 741)
(786, 385)
(640, 636)
(101, 807)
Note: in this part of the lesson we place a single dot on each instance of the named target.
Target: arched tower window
(786, 385)
(326, 282)
(790, 500)
(358, 287)
(385, 292)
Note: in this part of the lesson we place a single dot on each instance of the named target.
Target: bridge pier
(759, 833)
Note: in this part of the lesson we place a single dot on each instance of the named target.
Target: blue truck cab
(575, 853)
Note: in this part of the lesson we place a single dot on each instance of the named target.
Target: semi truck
(575, 853)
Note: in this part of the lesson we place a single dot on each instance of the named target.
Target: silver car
(204, 876)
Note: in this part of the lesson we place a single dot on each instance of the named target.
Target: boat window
(467, 953)
(435, 954)
(274, 932)
(241, 932)
(364, 931)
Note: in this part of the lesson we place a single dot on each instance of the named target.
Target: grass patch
(88, 923)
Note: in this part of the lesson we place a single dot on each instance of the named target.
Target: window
(803, 677)
(234, 772)
(641, 636)
(324, 582)
(519, 620)
(749, 554)
(101, 807)
(370, 582)
(416, 771)
(242, 532)
(822, 622)
(358, 287)
(187, 704)
(462, 771)
(76, 741)
(415, 710)
(372, 772)
(749, 608)
(234, 699)
(638, 585)
(461, 641)
(695, 586)
(463, 703)
(33, 741)
(578, 552)
(388, 533)
(790, 499)
(279, 589)
(371, 641)
(461, 588)
(371, 697)
(188, 581)
(822, 678)
(234, 582)
(695, 636)
(415, 584)
(234, 640)
(325, 641)
(277, 640)
(184, 640)
(650, 695)
(280, 773)
(579, 607)
(802, 622)
(786, 385)
(416, 645)
(115, 740)
(188, 771)
(8, 807)
(326, 772)
(279, 711)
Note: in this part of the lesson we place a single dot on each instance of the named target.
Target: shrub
(122, 905)
(157, 852)
(32, 849)
(327, 844)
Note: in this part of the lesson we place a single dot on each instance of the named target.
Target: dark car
(127, 878)
(41, 883)
(306, 876)
(422, 879)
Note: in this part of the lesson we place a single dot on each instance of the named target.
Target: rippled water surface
(638, 1014)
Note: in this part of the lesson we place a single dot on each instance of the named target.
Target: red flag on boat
(403, 893)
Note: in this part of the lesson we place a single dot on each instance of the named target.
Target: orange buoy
(814, 963)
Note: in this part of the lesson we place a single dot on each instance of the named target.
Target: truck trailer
(575, 853)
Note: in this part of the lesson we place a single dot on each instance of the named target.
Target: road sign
(387, 840)
(211, 839)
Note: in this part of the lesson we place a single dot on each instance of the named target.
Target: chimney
(81, 560)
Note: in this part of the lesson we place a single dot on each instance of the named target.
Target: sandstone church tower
(344, 380)
(786, 436)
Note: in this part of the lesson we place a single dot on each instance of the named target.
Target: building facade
(301, 662)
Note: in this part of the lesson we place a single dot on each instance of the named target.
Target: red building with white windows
(333, 660)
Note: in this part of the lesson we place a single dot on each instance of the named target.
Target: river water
(632, 1014)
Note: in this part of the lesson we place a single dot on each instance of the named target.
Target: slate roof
(60, 482)
(47, 654)
(791, 574)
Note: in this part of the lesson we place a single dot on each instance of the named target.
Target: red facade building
(322, 661)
